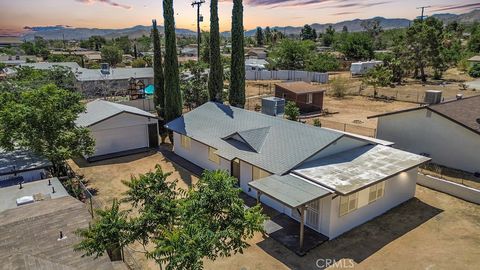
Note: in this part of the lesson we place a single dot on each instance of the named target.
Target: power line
(423, 11)
(198, 3)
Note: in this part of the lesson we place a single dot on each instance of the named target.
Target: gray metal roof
(48, 65)
(349, 171)
(21, 160)
(84, 74)
(289, 189)
(99, 110)
(287, 144)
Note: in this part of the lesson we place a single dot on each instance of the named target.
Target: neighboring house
(31, 220)
(22, 165)
(255, 64)
(50, 65)
(189, 51)
(6, 42)
(474, 60)
(15, 60)
(330, 180)
(118, 129)
(308, 97)
(361, 68)
(256, 53)
(448, 132)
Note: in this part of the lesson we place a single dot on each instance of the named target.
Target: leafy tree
(194, 88)
(474, 41)
(322, 62)
(259, 37)
(42, 120)
(379, 76)
(215, 79)
(358, 46)
(184, 227)
(339, 87)
(374, 30)
(268, 35)
(112, 55)
(291, 54)
(93, 43)
(124, 44)
(139, 63)
(144, 43)
(292, 111)
(173, 98)
(474, 71)
(308, 33)
(329, 36)
(38, 47)
(236, 95)
(345, 29)
(277, 36)
(435, 46)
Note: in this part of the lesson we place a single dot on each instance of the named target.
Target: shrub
(474, 71)
(339, 87)
(292, 111)
(317, 123)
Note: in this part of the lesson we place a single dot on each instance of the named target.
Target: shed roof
(300, 87)
(99, 110)
(352, 170)
(84, 74)
(20, 160)
(289, 189)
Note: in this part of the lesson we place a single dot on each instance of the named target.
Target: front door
(152, 135)
(236, 169)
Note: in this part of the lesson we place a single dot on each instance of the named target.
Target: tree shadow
(361, 242)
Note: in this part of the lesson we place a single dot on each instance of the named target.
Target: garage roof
(100, 110)
(289, 189)
(20, 160)
(300, 87)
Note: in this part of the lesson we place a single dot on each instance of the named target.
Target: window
(185, 141)
(376, 192)
(212, 156)
(348, 203)
(309, 98)
(258, 173)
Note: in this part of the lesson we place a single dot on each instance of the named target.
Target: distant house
(22, 165)
(329, 181)
(255, 64)
(256, 53)
(118, 129)
(6, 41)
(189, 51)
(474, 60)
(308, 97)
(15, 60)
(361, 68)
(37, 228)
(50, 65)
(448, 132)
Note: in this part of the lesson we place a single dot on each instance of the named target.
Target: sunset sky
(16, 14)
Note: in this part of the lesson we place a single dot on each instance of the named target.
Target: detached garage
(118, 129)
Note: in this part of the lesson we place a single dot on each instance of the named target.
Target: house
(9, 41)
(448, 132)
(255, 64)
(308, 97)
(474, 60)
(15, 60)
(361, 68)
(118, 129)
(328, 180)
(189, 51)
(256, 53)
(22, 165)
(48, 65)
(37, 228)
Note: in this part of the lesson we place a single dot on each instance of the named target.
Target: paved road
(474, 84)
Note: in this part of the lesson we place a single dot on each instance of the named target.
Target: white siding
(446, 142)
(398, 189)
(198, 155)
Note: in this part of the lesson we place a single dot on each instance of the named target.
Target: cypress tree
(158, 79)
(215, 77)
(173, 99)
(236, 95)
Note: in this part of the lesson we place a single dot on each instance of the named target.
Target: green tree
(308, 33)
(435, 46)
(205, 47)
(112, 55)
(268, 35)
(379, 76)
(374, 30)
(259, 37)
(329, 36)
(43, 121)
(124, 44)
(339, 87)
(215, 79)
(195, 88)
(144, 43)
(344, 29)
(173, 98)
(158, 79)
(38, 47)
(291, 54)
(474, 40)
(292, 112)
(236, 95)
(93, 43)
(322, 62)
(474, 71)
(139, 63)
(358, 46)
(183, 227)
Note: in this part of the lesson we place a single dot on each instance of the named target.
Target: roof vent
(459, 96)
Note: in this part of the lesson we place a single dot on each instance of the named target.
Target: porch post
(302, 221)
(258, 196)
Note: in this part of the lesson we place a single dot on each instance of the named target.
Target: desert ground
(431, 231)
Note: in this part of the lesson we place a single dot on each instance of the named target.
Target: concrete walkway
(474, 84)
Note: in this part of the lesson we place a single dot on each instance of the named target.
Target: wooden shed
(308, 97)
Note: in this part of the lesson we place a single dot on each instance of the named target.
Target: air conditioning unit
(105, 68)
(273, 106)
(433, 97)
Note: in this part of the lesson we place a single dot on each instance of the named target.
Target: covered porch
(297, 194)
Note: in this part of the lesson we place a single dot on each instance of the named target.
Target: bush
(339, 87)
(474, 71)
(139, 63)
(292, 111)
(323, 62)
(317, 123)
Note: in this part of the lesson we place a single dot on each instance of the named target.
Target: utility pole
(198, 3)
(423, 11)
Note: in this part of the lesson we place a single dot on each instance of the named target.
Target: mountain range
(67, 32)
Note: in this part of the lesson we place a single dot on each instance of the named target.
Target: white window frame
(185, 141)
(258, 173)
(310, 98)
(212, 156)
(351, 204)
(376, 192)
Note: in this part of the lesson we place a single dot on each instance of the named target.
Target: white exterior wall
(198, 154)
(446, 142)
(398, 189)
(120, 133)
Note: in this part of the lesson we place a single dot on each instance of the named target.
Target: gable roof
(100, 110)
(254, 138)
(300, 87)
(283, 148)
(465, 112)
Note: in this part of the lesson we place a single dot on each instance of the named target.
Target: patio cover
(290, 190)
